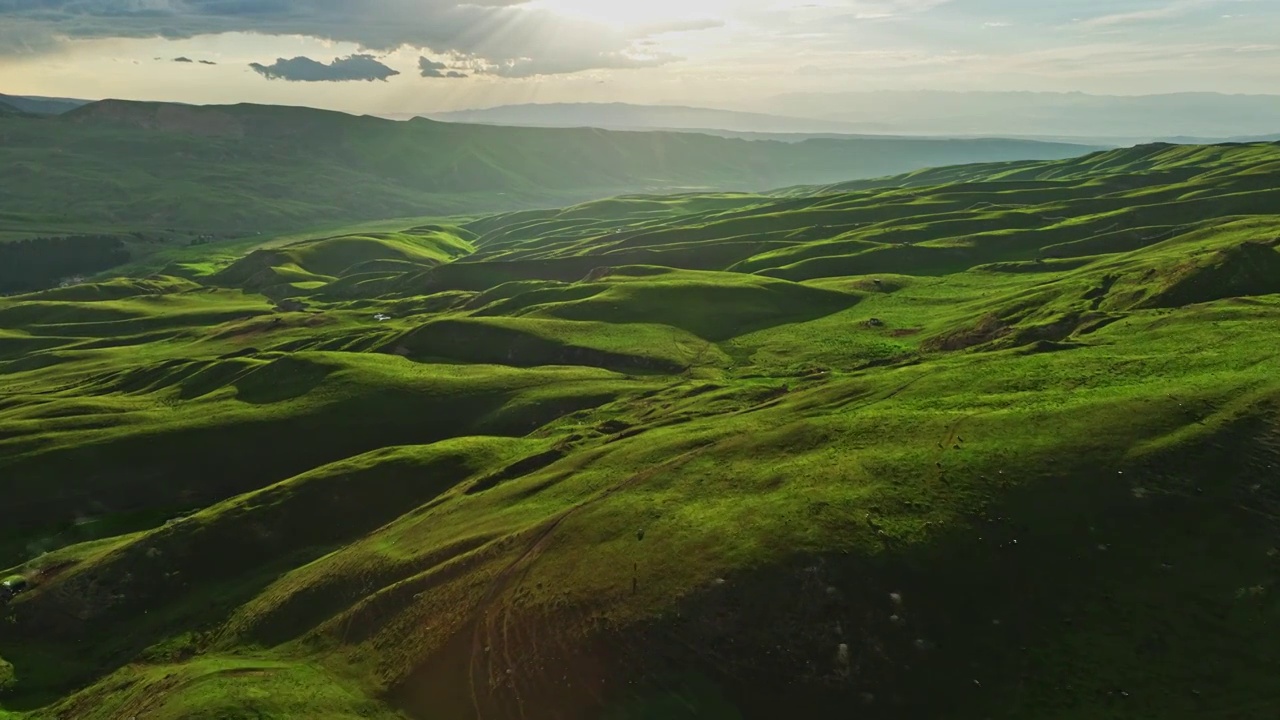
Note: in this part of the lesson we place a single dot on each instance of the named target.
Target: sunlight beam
(630, 15)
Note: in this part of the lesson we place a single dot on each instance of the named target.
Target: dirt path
(949, 443)
(494, 637)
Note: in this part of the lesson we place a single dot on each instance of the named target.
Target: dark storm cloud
(432, 69)
(506, 36)
(304, 69)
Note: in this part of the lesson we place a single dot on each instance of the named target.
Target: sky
(419, 56)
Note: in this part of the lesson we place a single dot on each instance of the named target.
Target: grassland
(979, 442)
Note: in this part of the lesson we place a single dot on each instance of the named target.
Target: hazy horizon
(1114, 120)
(431, 56)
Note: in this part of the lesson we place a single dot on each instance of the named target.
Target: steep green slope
(248, 167)
(1003, 447)
(312, 263)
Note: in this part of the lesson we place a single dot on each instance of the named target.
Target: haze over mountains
(1198, 115)
(1118, 120)
(627, 116)
(255, 167)
(1070, 117)
(40, 105)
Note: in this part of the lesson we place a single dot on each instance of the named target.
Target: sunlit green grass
(523, 443)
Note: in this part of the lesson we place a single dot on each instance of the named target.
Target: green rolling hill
(992, 441)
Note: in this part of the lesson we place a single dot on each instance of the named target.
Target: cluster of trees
(42, 262)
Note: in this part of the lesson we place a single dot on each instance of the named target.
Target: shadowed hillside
(249, 167)
(996, 441)
(41, 105)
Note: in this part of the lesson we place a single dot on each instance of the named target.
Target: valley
(986, 440)
(241, 170)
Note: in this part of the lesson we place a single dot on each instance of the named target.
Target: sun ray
(636, 14)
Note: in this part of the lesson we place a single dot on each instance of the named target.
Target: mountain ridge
(1189, 118)
(1148, 117)
(630, 116)
(913, 121)
(37, 105)
(248, 166)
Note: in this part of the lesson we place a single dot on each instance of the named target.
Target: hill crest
(233, 121)
(631, 116)
(236, 167)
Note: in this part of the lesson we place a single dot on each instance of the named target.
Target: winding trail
(949, 442)
(491, 627)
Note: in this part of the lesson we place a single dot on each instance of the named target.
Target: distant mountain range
(1185, 118)
(1101, 141)
(1141, 118)
(39, 105)
(1193, 118)
(247, 167)
(625, 116)
(1183, 140)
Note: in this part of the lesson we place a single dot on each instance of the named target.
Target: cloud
(1163, 12)
(432, 69)
(207, 62)
(867, 10)
(517, 36)
(678, 26)
(183, 60)
(530, 67)
(347, 69)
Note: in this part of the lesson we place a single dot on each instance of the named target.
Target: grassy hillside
(248, 168)
(1002, 446)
